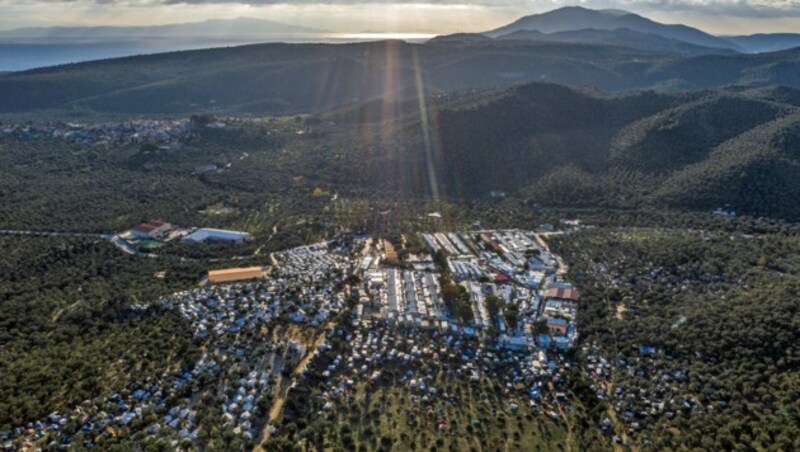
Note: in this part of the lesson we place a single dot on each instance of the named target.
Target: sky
(396, 16)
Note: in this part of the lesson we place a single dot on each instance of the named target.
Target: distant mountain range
(575, 18)
(621, 37)
(293, 78)
(26, 48)
(766, 42)
(651, 115)
(218, 28)
(313, 78)
(569, 24)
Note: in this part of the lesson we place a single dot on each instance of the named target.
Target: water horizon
(22, 54)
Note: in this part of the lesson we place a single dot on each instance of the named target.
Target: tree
(493, 306)
(511, 315)
(202, 120)
(539, 327)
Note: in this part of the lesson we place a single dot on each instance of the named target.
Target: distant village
(390, 313)
(167, 132)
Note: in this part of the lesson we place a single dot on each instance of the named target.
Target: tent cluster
(236, 370)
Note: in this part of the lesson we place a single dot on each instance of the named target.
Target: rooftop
(235, 274)
(149, 226)
(563, 293)
(219, 234)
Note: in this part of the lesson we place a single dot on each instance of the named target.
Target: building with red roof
(152, 229)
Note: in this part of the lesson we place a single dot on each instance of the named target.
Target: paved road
(113, 238)
(56, 234)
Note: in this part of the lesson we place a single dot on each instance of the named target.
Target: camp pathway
(285, 386)
(610, 409)
(540, 238)
(570, 445)
(612, 414)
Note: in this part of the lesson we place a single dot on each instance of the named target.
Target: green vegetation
(67, 330)
(456, 298)
(719, 311)
(573, 149)
(354, 412)
(695, 314)
(289, 79)
(578, 149)
(494, 305)
(379, 418)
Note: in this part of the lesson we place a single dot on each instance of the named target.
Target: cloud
(700, 13)
(734, 8)
(731, 8)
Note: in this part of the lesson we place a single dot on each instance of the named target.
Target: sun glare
(380, 36)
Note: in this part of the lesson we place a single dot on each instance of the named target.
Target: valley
(578, 231)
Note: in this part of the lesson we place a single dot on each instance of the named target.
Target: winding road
(58, 234)
(115, 239)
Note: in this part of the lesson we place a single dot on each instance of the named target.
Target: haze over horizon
(394, 16)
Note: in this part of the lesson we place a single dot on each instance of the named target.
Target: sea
(30, 53)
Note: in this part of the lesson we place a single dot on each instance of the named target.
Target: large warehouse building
(206, 235)
(235, 274)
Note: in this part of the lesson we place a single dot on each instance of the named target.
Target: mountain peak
(578, 11)
(573, 18)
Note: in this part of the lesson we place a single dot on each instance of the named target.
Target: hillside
(578, 18)
(686, 134)
(560, 146)
(766, 42)
(780, 94)
(298, 78)
(621, 37)
(756, 172)
(459, 38)
(551, 144)
(778, 68)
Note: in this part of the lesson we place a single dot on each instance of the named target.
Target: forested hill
(295, 78)
(560, 146)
